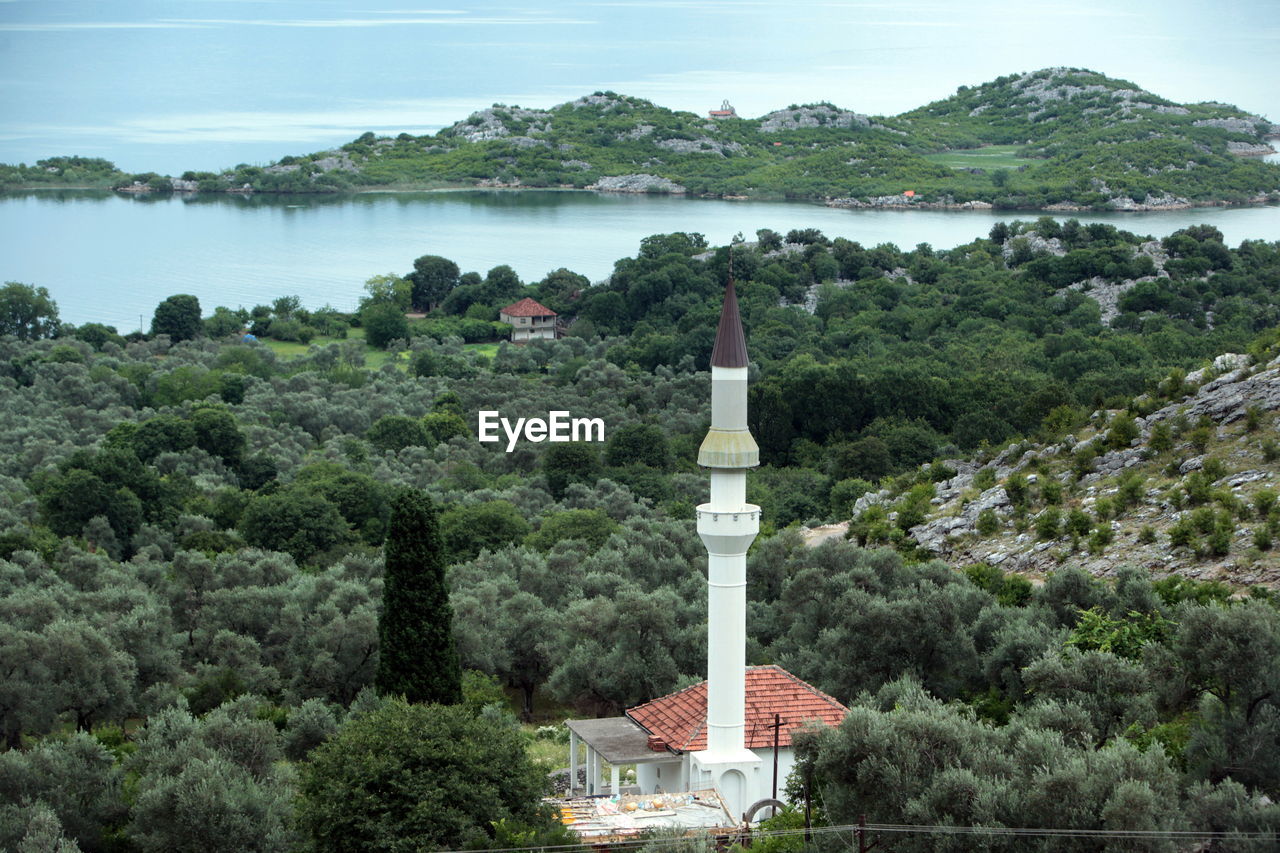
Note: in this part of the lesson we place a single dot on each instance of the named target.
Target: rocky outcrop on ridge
(637, 184)
(1227, 395)
(811, 115)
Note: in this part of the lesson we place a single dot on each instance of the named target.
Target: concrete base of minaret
(734, 773)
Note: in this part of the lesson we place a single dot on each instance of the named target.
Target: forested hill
(194, 527)
(1057, 136)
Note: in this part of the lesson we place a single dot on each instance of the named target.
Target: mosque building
(733, 732)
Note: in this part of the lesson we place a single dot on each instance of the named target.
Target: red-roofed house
(529, 320)
(660, 737)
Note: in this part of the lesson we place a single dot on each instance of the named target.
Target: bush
(1049, 523)
(423, 777)
(988, 522)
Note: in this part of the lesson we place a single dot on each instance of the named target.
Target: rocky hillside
(1035, 107)
(1070, 137)
(1185, 484)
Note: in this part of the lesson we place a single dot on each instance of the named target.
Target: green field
(374, 358)
(990, 157)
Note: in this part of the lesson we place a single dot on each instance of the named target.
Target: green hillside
(1052, 137)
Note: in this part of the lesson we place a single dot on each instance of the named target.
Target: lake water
(111, 259)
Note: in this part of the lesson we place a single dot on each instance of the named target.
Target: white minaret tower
(728, 525)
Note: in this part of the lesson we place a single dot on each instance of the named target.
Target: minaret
(728, 525)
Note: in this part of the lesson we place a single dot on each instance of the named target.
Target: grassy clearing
(546, 753)
(374, 358)
(990, 157)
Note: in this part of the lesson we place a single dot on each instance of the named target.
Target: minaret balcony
(728, 531)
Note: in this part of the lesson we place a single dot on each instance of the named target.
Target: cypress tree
(417, 657)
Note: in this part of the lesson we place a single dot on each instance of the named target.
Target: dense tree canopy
(422, 777)
(178, 317)
(214, 519)
(27, 312)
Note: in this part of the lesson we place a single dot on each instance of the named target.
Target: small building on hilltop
(726, 111)
(529, 320)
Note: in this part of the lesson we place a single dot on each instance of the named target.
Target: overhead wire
(933, 829)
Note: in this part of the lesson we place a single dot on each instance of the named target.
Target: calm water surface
(111, 259)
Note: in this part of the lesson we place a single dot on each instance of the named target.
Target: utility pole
(861, 832)
(808, 814)
(777, 727)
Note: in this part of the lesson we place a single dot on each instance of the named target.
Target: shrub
(1049, 523)
(988, 522)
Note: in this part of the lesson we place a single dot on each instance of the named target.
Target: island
(1054, 139)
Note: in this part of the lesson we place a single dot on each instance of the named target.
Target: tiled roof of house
(527, 308)
(680, 718)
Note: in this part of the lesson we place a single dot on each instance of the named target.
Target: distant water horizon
(111, 259)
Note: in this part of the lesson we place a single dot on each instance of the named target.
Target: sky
(172, 85)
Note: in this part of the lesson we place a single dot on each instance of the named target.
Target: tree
(212, 785)
(383, 323)
(416, 657)
(224, 323)
(389, 288)
(422, 777)
(431, 280)
(467, 530)
(76, 777)
(178, 317)
(396, 432)
(301, 524)
(569, 462)
(218, 434)
(638, 444)
(589, 525)
(27, 312)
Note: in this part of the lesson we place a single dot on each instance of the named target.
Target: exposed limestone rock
(901, 202)
(1249, 149)
(811, 115)
(1253, 125)
(528, 142)
(1037, 244)
(637, 184)
(703, 145)
(640, 131)
(491, 123)
(608, 101)
(1165, 201)
(1224, 397)
(336, 161)
(1106, 294)
(581, 165)
(933, 534)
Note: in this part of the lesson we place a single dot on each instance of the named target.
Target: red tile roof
(526, 308)
(680, 718)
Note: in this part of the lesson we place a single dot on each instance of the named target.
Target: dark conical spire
(731, 344)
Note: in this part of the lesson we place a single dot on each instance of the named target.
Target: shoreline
(882, 203)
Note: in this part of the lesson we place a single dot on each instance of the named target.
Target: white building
(529, 320)
(721, 733)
